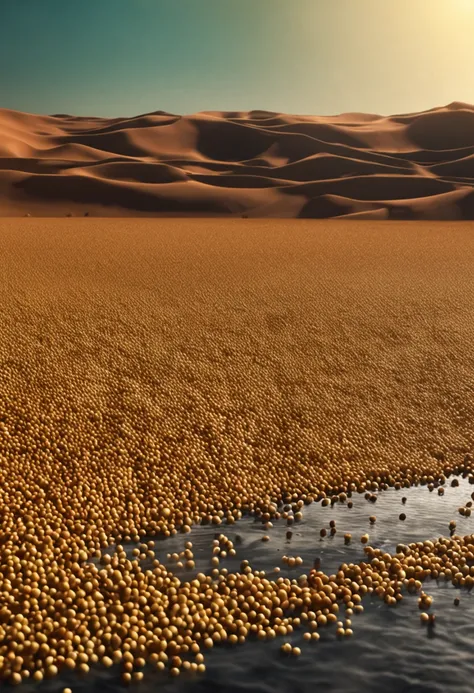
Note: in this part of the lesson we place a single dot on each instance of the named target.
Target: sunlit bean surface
(236, 386)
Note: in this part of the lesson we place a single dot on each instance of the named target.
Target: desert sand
(160, 373)
(257, 163)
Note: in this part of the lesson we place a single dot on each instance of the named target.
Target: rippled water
(390, 651)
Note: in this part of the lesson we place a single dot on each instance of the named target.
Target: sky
(117, 58)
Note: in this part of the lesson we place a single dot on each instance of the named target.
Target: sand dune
(256, 163)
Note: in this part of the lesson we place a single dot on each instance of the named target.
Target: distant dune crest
(256, 164)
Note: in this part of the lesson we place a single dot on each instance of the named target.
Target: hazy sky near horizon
(124, 57)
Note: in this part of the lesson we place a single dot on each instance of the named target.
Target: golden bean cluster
(148, 385)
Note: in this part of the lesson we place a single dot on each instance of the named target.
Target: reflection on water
(390, 652)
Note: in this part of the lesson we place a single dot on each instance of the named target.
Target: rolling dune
(256, 164)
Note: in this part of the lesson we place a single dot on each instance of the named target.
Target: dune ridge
(237, 163)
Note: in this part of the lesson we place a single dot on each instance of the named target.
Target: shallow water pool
(390, 651)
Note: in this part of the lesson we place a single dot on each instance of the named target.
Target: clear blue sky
(124, 57)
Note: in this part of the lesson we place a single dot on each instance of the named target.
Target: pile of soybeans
(61, 608)
(153, 380)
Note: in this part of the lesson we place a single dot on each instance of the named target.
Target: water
(390, 651)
